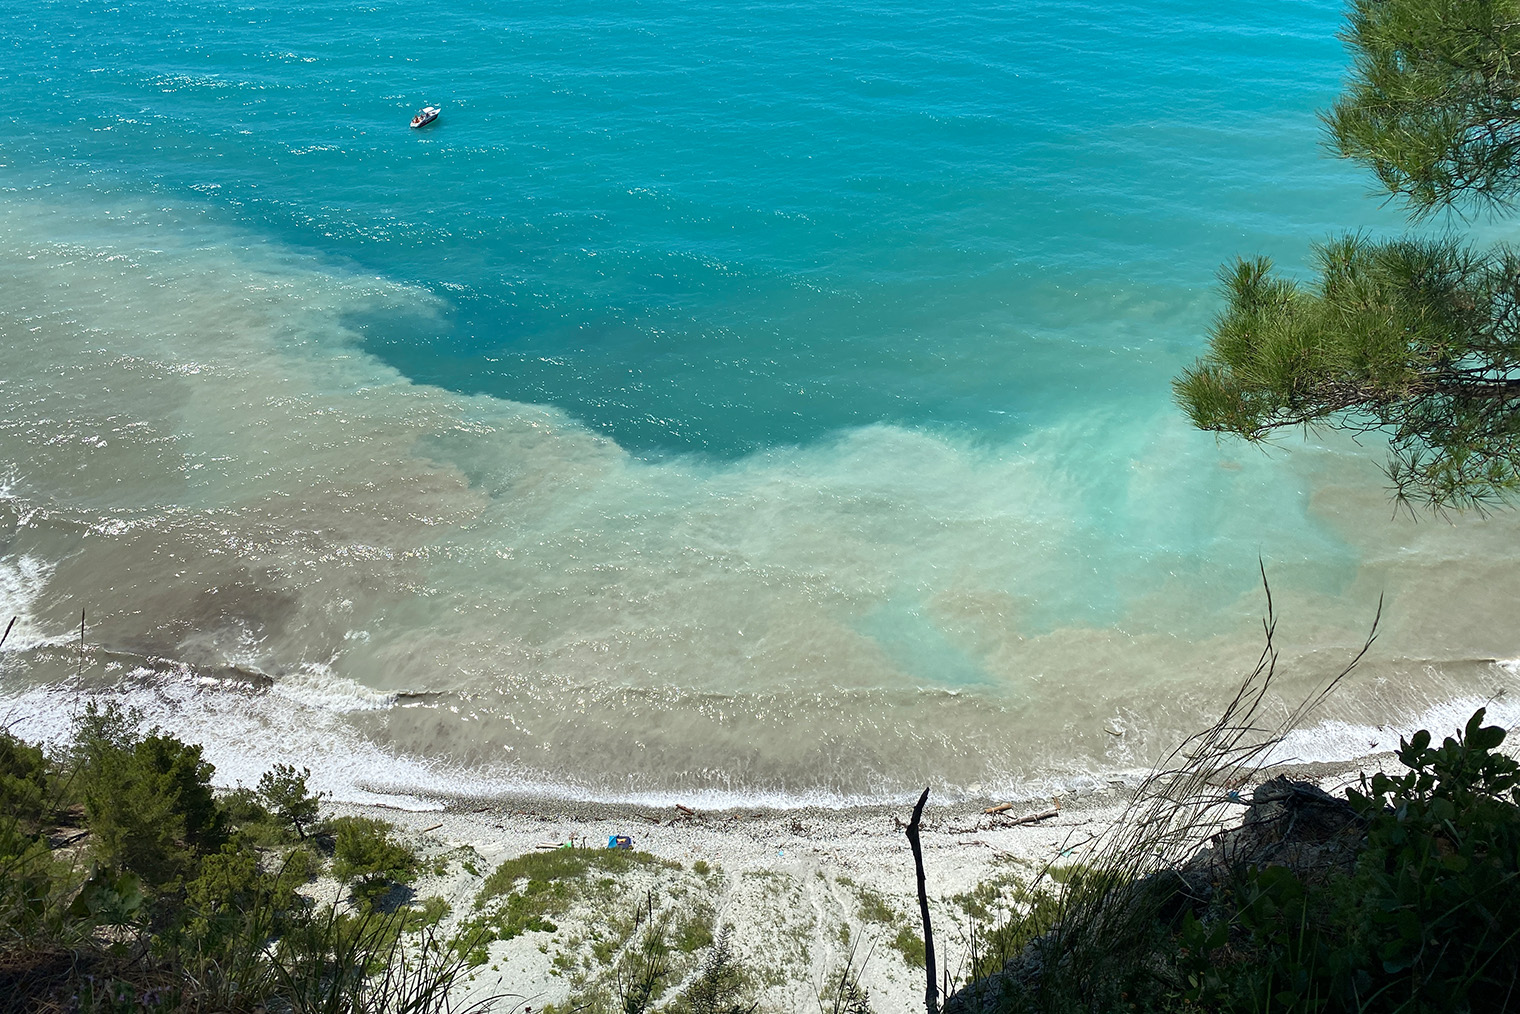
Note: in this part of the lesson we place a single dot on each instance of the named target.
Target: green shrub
(147, 801)
(31, 884)
(721, 987)
(283, 790)
(366, 856)
(694, 930)
(910, 945)
(301, 865)
(242, 807)
(102, 729)
(28, 793)
(1426, 919)
(871, 906)
(233, 895)
(529, 908)
(559, 865)
(29, 797)
(109, 898)
(430, 913)
(539, 887)
(174, 914)
(1437, 891)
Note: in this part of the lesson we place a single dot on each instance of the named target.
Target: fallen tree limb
(68, 841)
(1031, 818)
(931, 991)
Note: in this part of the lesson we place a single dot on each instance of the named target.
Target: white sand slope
(804, 893)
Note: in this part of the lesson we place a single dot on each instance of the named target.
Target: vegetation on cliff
(126, 884)
(1401, 896)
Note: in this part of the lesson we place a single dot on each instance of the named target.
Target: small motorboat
(427, 115)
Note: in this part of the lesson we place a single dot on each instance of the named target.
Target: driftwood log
(1032, 818)
(1029, 818)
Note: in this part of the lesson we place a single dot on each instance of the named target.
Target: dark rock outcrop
(1287, 823)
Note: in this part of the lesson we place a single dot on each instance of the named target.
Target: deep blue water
(724, 226)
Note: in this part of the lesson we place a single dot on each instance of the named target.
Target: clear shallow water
(746, 399)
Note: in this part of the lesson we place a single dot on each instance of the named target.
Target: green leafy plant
(1438, 886)
(108, 898)
(1426, 919)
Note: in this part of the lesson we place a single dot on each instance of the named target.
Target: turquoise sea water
(744, 398)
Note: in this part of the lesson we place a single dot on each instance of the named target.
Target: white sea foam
(244, 734)
(316, 686)
(1337, 740)
(22, 580)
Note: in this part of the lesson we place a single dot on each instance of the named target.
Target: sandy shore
(804, 892)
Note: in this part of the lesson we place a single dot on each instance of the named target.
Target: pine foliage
(1418, 338)
(1433, 104)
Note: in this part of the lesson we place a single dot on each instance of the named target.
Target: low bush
(283, 790)
(369, 858)
(1428, 921)
(559, 866)
(147, 800)
(28, 786)
(243, 808)
(527, 893)
(30, 803)
(31, 902)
